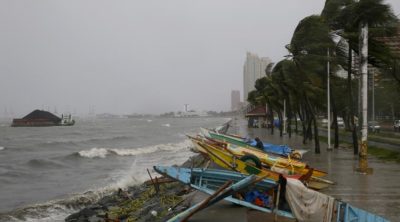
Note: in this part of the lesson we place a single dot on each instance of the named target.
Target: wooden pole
(277, 203)
(152, 181)
(206, 201)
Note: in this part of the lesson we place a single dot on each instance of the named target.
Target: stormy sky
(137, 56)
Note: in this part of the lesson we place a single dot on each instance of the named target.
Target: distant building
(393, 42)
(235, 100)
(190, 113)
(253, 69)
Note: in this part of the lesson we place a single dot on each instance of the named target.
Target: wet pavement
(378, 193)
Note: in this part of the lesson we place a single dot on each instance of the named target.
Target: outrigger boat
(304, 204)
(275, 163)
(282, 150)
(209, 180)
(230, 161)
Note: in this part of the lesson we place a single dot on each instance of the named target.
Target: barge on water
(43, 118)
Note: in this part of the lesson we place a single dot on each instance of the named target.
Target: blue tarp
(272, 148)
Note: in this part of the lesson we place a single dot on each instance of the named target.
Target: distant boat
(39, 118)
(66, 120)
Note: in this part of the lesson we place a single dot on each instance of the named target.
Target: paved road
(347, 138)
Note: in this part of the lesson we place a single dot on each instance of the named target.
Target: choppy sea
(47, 173)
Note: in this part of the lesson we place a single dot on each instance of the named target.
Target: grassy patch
(380, 153)
(384, 154)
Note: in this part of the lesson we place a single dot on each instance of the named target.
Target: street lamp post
(329, 105)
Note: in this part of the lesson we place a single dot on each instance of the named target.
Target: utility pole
(363, 49)
(373, 97)
(329, 104)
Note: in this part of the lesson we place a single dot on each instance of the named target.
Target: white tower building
(253, 69)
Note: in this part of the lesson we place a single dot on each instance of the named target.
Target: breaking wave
(59, 209)
(54, 210)
(2, 148)
(104, 152)
(166, 125)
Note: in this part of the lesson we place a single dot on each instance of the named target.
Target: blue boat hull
(209, 180)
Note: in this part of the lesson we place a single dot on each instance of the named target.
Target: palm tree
(354, 18)
(308, 47)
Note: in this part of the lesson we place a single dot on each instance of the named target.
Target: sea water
(47, 173)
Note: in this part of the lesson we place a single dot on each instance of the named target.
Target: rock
(95, 219)
(82, 215)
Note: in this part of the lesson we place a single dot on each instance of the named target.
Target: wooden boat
(282, 165)
(305, 204)
(209, 180)
(230, 161)
(281, 150)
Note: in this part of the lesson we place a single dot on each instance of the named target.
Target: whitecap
(152, 149)
(54, 210)
(149, 120)
(166, 125)
(103, 152)
(94, 152)
(2, 148)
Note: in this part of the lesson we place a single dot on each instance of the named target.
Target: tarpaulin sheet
(306, 204)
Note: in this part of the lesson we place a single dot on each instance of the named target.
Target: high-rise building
(253, 69)
(235, 100)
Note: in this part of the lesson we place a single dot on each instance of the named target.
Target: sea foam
(94, 152)
(104, 152)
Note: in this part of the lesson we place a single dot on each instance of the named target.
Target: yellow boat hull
(230, 161)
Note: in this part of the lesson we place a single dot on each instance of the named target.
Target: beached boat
(230, 161)
(282, 150)
(264, 195)
(209, 180)
(276, 163)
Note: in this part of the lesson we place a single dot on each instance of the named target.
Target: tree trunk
(351, 102)
(309, 128)
(289, 119)
(314, 120)
(316, 136)
(303, 124)
(289, 128)
(271, 118)
(335, 123)
(280, 124)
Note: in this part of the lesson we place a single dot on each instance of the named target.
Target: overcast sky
(137, 56)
